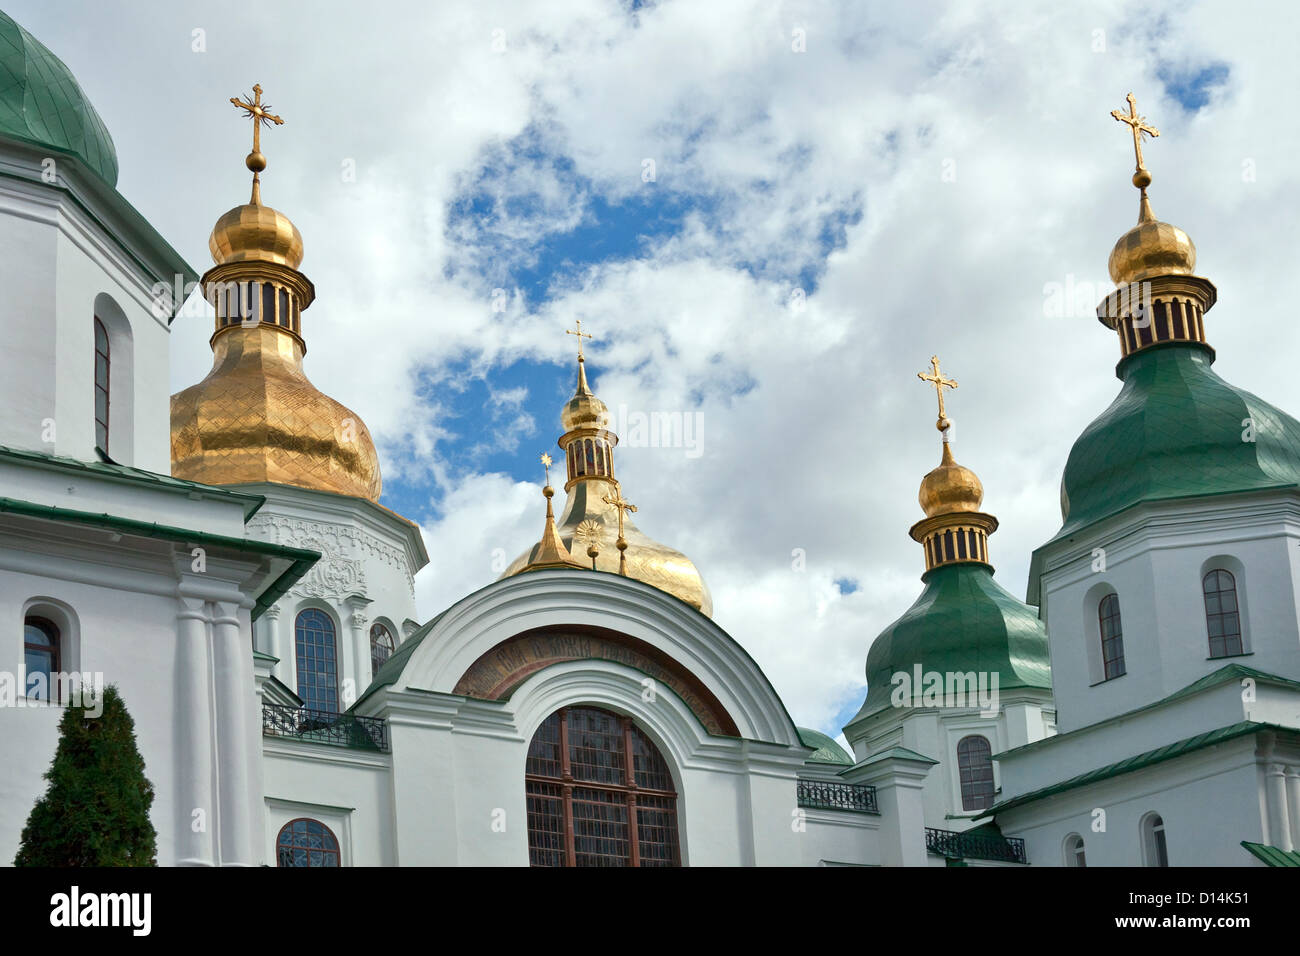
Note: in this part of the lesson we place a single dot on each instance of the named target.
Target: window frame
(300, 671)
(55, 652)
(1075, 852)
(392, 646)
(543, 788)
(101, 330)
(1155, 841)
(1113, 640)
(336, 850)
(1225, 637)
(967, 779)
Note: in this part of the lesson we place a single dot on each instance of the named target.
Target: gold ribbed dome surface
(256, 233)
(950, 488)
(588, 517)
(1152, 248)
(256, 417)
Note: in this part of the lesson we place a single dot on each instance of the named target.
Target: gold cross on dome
(1138, 125)
(936, 379)
(616, 500)
(260, 114)
(580, 334)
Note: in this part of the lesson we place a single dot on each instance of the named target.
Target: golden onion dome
(950, 488)
(256, 233)
(1151, 248)
(584, 409)
(256, 417)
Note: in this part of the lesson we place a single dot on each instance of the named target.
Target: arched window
(304, 842)
(1112, 637)
(40, 658)
(1074, 851)
(101, 384)
(318, 679)
(1222, 616)
(1155, 852)
(381, 647)
(975, 767)
(599, 793)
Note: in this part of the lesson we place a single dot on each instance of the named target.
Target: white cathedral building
(222, 558)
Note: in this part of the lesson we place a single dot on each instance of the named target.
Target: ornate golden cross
(616, 500)
(259, 113)
(547, 461)
(936, 379)
(1138, 126)
(581, 335)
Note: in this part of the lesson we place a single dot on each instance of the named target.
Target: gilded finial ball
(943, 424)
(1142, 178)
(548, 491)
(592, 550)
(255, 161)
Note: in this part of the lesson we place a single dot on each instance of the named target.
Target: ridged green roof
(825, 749)
(1271, 855)
(1174, 431)
(41, 103)
(963, 621)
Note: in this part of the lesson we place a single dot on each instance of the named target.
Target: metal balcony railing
(975, 846)
(823, 795)
(323, 727)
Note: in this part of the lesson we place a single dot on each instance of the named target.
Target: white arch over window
(121, 379)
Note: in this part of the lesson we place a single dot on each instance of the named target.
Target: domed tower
(258, 423)
(964, 673)
(595, 520)
(1182, 450)
(256, 417)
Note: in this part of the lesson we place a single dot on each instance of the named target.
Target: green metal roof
(41, 103)
(963, 621)
(300, 559)
(1139, 761)
(825, 749)
(1175, 431)
(1272, 855)
(114, 471)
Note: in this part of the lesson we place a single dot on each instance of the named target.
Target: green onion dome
(825, 750)
(42, 104)
(963, 622)
(1176, 430)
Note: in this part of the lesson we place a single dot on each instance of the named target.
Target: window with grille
(599, 793)
(1222, 615)
(304, 842)
(40, 658)
(975, 767)
(318, 679)
(101, 385)
(381, 647)
(1112, 637)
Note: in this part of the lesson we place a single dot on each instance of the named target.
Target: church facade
(222, 558)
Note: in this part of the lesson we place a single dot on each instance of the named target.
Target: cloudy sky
(770, 215)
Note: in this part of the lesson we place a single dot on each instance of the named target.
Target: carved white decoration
(342, 547)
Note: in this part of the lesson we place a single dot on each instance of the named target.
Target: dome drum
(1159, 309)
(248, 294)
(956, 537)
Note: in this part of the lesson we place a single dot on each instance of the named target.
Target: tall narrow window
(975, 767)
(1155, 851)
(101, 384)
(381, 647)
(306, 842)
(1112, 637)
(599, 793)
(1074, 855)
(40, 658)
(318, 679)
(1222, 615)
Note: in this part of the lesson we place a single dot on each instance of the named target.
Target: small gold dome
(256, 233)
(256, 417)
(1151, 248)
(950, 488)
(584, 410)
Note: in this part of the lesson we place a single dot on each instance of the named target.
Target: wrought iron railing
(975, 846)
(323, 727)
(827, 795)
